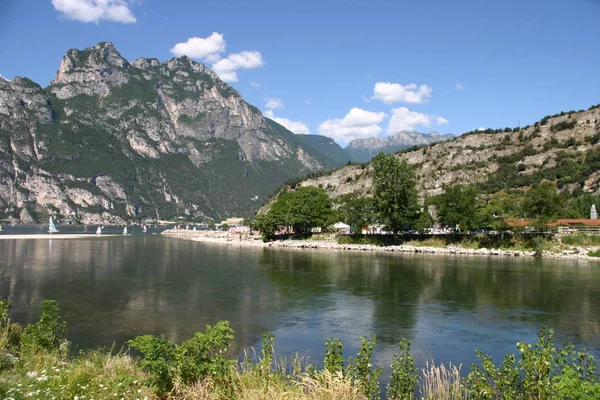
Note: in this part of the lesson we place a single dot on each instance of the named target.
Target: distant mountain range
(363, 150)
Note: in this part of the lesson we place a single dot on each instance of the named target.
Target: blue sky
(346, 69)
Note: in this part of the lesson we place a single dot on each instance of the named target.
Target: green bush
(10, 337)
(361, 370)
(541, 373)
(334, 358)
(197, 358)
(404, 373)
(595, 253)
(563, 125)
(49, 332)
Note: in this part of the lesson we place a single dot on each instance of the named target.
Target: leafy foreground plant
(36, 365)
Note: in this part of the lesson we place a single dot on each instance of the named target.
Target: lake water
(112, 289)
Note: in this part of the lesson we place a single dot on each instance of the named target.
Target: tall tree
(543, 203)
(305, 208)
(394, 191)
(459, 206)
(357, 211)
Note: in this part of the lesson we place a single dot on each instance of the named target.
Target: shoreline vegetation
(576, 247)
(36, 363)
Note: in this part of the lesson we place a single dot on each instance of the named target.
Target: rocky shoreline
(579, 253)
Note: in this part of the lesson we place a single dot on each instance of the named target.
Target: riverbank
(36, 363)
(574, 252)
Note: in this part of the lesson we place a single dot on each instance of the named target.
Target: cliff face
(564, 148)
(111, 140)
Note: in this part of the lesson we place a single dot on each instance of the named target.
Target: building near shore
(233, 222)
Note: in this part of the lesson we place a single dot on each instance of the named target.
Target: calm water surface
(112, 289)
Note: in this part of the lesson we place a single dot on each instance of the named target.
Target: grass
(595, 253)
(581, 240)
(439, 382)
(94, 374)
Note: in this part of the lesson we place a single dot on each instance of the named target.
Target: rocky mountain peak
(145, 63)
(110, 140)
(90, 71)
(364, 149)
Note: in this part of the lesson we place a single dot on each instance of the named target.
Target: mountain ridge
(363, 150)
(563, 148)
(110, 140)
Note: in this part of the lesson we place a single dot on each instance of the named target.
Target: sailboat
(99, 231)
(51, 227)
(125, 232)
(144, 228)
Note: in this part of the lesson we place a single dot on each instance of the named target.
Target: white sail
(51, 226)
(99, 231)
(125, 231)
(593, 213)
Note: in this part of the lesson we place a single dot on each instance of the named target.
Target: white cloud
(481, 128)
(255, 84)
(227, 67)
(201, 48)
(272, 103)
(95, 10)
(403, 119)
(356, 124)
(394, 93)
(459, 86)
(441, 121)
(293, 126)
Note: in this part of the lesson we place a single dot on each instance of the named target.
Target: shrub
(563, 125)
(361, 370)
(595, 253)
(197, 358)
(334, 358)
(404, 373)
(10, 337)
(49, 332)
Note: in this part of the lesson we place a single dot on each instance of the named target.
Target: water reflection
(112, 289)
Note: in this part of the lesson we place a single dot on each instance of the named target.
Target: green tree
(459, 206)
(303, 209)
(543, 203)
(395, 191)
(266, 225)
(357, 211)
(500, 207)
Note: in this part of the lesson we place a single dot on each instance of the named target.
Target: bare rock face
(91, 71)
(109, 140)
(514, 158)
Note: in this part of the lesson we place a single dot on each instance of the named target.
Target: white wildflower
(31, 374)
